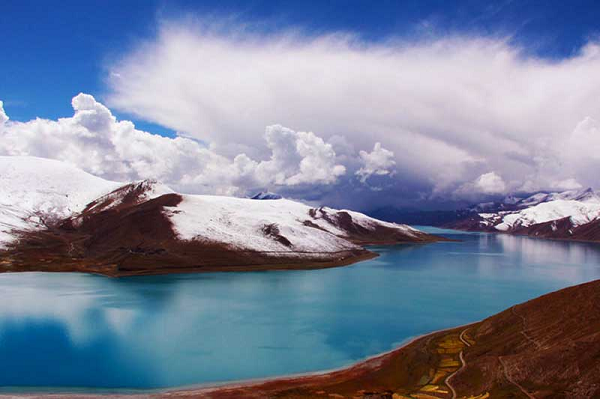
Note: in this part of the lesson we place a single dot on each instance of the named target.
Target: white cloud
(585, 139)
(580, 153)
(377, 162)
(95, 141)
(298, 158)
(567, 184)
(443, 114)
(449, 109)
(3, 116)
(569, 162)
(490, 183)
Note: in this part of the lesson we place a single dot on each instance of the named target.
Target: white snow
(239, 223)
(33, 190)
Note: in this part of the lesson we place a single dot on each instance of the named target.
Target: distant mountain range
(566, 215)
(55, 217)
(573, 214)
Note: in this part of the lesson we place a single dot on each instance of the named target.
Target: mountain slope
(144, 227)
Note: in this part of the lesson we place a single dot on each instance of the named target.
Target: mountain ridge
(573, 214)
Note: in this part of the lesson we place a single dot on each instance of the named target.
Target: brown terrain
(122, 234)
(548, 347)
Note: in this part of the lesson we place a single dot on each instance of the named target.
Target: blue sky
(410, 102)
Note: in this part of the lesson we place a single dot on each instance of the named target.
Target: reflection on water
(148, 332)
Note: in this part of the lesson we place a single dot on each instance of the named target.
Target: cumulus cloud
(449, 109)
(298, 158)
(489, 183)
(377, 162)
(94, 140)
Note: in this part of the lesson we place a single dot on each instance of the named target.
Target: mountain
(54, 217)
(266, 196)
(571, 214)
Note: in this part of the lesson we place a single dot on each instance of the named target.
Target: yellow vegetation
(482, 396)
(449, 362)
(423, 396)
(440, 374)
(429, 388)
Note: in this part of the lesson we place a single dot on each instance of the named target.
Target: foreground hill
(54, 217)
(567, 215)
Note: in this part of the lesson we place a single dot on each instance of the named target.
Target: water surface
(77, 330)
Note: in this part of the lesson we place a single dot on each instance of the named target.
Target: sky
(359, 104)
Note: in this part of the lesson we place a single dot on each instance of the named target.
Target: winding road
(462, 360)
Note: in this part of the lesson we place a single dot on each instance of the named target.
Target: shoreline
(109, 270)
(287, 263)
(559, 239)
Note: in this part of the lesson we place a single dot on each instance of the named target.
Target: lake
(76, 330)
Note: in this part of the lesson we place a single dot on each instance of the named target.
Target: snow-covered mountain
(570, 214)
(56, 217)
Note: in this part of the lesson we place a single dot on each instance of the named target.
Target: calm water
(74, 330)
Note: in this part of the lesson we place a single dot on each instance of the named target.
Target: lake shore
(376, 369)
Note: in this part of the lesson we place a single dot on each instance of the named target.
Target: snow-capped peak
(34, 191)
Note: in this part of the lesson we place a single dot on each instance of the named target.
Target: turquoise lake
(75, 330)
